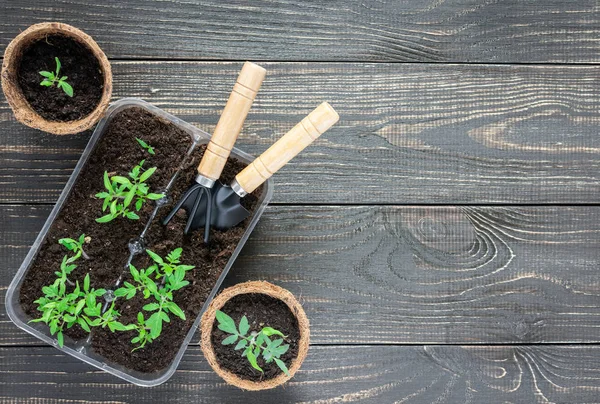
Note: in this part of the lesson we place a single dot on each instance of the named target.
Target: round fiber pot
(14, 95)
(254, 287)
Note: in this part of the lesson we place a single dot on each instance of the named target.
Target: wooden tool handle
(231, 121)
(286, 148)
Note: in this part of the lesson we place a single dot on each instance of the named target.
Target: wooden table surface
(443, 237)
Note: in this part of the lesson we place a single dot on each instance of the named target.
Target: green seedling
(253, 343)
(144, 281)
(145, 146)
(169, 266)
(75, 246)
(53, 78)
(121, 192)
(66, 267)
(62, 310)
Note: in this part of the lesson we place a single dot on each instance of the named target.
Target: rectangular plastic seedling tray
(83, 349)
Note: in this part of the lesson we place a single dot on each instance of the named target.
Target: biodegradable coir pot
(14, 94)
(254, 287)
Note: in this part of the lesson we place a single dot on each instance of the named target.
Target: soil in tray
(209, 261)
(261, 311)
(116, 152)
(80, 66)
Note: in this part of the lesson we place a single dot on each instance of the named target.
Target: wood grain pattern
(468, 134)
(420, 275)
(383, 374)
(408, 31)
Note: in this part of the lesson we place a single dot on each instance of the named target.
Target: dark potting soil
(118, 152)
(78, 64)
(261, 311)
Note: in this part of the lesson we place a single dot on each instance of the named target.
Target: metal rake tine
(208, 216)
(192, 213)
(180, 204)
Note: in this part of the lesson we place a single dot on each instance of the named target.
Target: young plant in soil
(145, 146)
(121, 191)
(53, 78)
(76, 246)
(62, 309)
(172, 273)
(253, 343)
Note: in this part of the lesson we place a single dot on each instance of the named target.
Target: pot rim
(12, 91)
(266, 288)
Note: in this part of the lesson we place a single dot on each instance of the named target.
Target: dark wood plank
(407, 274)
(409, 134)
(449, 31)
(383, 374)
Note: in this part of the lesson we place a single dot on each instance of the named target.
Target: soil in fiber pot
(80, 66)
(117, 152)
(261, 311)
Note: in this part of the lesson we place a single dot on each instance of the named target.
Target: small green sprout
(254, 343)
(144, 281)
(122, 191)
(145, 145)
(170, 266)
(62, 310)
(76, 246)
(52, 78)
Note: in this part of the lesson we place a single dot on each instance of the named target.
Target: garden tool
(226, 210)
(226, 132)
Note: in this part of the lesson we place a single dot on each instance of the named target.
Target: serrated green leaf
(244, 326)
(60, 338)
(57, 65)
(141, 142)
(151, 307)
(281, 350)
(66, 88)
(147, 174)
(252, 359)
(230, 340)
(282, 366)
(120, 180)
(241, 344)
(268, 331)
(79, 306)
(107, 183)
(105, 218)
(226, 323)
(83, 324)
(50, 75)
(155, 325)
(173, 308)
(155, 257)
(86, 283)
(164, 316)
(46, 83)
(132, 216)
(129, 196)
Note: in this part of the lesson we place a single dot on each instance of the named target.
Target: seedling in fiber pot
(52, 79)
(254, 344)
